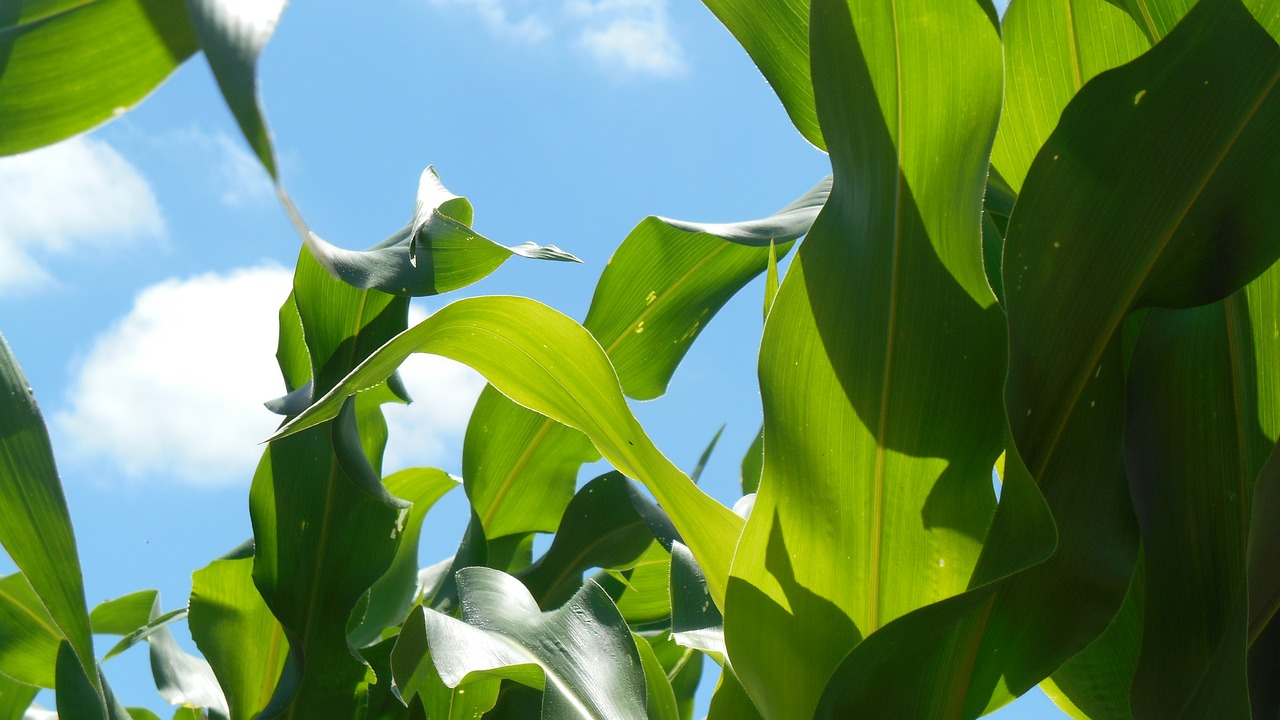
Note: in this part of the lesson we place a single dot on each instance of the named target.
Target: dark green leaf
(581, 655)
(391, 598)
(601, 528)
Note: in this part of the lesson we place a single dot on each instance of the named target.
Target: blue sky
(141, 265)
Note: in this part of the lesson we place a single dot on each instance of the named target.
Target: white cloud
(497, 16)
(173, 392)
(67, 197)
(623, 37)
(637, 46)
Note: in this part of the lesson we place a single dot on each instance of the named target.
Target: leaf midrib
(1131, 293)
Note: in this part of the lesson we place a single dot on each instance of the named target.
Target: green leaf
(1264, 590)
(37, 530)
(753, 464)
(1094, 684)
(314, 492)
(660, 289)
(123, 615)
(1191, 483)
(660, 698)
(601, 528)
(232, 35)
(771, 281)
(882, 355)
(1052, 48)
(547, 362)
(29, 638)
(54, 79)
(1089, 203)
(181, 679)
(730, 700)
(237, 633)
(581, 655)
(15, 698)
(520, 467)
(695, 621)
(435, 253)
(775, 33)
(416, 676)
(391, 597)
(640, 589)
(145, 631)
(705, 457)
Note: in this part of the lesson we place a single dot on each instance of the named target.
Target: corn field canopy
(964, 360)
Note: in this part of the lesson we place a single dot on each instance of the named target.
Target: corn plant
(1047, 249)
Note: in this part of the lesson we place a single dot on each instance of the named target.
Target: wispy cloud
(500, 16)
(74, 195)
(237, 177)
(173, 391)
(622, 37)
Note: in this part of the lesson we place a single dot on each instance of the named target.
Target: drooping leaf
(181, 679)
(660, 289)
(391, 598)
(416, 676)
(36, 530)
(29, 638)
(232, 35)
(582, 656)
(601, 528)
(695, 621)
(236, 632)
(435, 253)
(55, 80)
(882, 355)
(547, 362)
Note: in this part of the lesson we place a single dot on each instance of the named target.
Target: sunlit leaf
(661, 288)
(236, 632)
(882, 355)
(69, 66)
(36, 530)
(547, 362)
